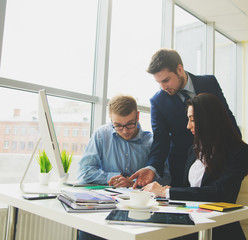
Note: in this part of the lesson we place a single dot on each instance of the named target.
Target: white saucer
(129, 204)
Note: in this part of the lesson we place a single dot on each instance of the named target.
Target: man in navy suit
(172, 140)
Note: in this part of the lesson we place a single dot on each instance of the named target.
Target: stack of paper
(85, 201)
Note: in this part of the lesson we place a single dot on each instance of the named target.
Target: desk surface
(94, 222)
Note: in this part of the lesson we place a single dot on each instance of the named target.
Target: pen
(124, 175)
(177, 203)
(166, 202)
(109, 190)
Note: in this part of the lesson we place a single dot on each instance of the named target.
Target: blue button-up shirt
(108, 155)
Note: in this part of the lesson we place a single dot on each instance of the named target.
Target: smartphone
(166, 202)
(161, 199)
(38, 196)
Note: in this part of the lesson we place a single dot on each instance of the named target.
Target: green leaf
(43, 160)
(66, 159)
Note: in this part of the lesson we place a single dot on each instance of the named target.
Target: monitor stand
(36, 188)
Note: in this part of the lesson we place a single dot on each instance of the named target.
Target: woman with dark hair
(217, 162)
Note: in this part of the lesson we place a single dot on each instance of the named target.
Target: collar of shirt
(189, 88)
(137, 138)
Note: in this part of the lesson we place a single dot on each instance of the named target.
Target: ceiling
(230, 16)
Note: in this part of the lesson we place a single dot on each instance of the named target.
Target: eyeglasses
(127, 126)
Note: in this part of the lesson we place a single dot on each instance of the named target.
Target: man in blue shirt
(118, 149)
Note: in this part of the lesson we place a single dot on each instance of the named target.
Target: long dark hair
(214, 132)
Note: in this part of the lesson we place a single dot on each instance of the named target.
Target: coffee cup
(140, 198)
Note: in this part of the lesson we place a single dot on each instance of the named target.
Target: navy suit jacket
(225, 188)
(172, 139)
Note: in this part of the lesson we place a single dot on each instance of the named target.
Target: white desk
(94, 222)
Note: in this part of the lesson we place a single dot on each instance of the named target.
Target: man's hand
(120, 181)
(144, 176)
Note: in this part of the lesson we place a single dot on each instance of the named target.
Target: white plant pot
(44, 178)
(65, 178)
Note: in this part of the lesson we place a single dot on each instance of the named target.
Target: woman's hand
(156, 188)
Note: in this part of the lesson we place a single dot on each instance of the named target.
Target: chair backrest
(243, 199)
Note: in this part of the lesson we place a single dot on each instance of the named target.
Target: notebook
(87, 196)
(71, 210)
(85, 206)
(220, 206)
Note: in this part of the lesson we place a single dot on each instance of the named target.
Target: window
(23, 131)
(66, 132)
(74, 147)
(225, 70)
(18, 148)
(65, 146)
(50, 42)
(75, 132)
(22, 145)
(15, 131)
(30, 146)
(190, 41)
(57, 131)
(7, 130)
(145, 121)
(14, 145)
(31, 131)
(84, 132)
(83, 146)
(6, 145)
(135, 37)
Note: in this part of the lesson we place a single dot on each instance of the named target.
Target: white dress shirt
(195, 176)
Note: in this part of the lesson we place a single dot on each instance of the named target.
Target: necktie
(185, 95)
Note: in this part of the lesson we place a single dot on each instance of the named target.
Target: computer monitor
(48, 135)
(50, 143)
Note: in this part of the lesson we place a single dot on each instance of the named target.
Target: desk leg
(10, 230)
(205, 234)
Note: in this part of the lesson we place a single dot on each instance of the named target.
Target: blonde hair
(122, 105)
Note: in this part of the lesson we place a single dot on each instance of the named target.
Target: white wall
(245, 91)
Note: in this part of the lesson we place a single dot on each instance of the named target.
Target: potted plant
(66, 159)
(45, 167)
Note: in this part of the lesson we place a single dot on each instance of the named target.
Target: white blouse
(196, 173)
